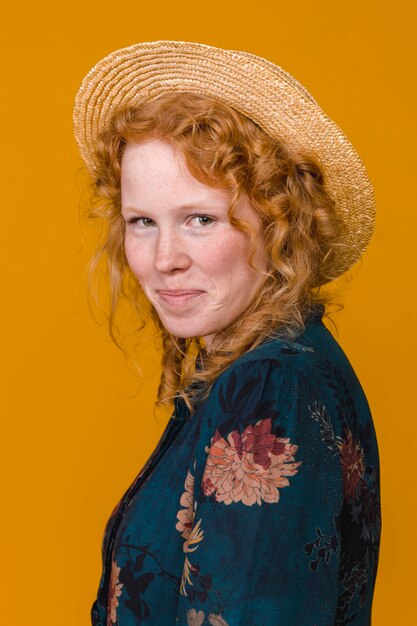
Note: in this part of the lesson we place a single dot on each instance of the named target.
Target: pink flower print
(197, 619)
(194, 618)
(249, 467)
(115, 591)
(185, 516)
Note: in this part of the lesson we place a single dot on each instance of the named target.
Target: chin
(182, 334)
(184, 331)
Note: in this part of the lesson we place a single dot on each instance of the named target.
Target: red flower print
(353, 465)
(249, 466)
(115, 591)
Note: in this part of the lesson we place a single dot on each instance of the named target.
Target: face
(190, 261)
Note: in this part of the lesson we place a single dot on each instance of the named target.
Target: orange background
(77, 422)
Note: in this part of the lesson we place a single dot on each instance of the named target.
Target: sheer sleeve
(262, 546)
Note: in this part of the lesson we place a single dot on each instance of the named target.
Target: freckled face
(190, 261)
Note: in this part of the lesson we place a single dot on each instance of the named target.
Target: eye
(200, 219)
(140, 221)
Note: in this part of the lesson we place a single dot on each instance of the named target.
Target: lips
(179, 292)
(179, 296)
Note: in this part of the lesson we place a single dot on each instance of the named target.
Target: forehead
(155, 172)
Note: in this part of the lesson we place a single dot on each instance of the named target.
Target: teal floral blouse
(260, 509)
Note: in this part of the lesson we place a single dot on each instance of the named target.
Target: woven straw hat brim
(262, 91)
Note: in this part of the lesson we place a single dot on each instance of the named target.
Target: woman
(230, 198)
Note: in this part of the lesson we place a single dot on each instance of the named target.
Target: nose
(170, 253)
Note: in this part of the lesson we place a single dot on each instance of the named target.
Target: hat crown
(255, 87)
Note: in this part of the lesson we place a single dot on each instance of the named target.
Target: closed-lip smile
(179, 292)
(179, 296)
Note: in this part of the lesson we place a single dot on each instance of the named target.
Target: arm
(263, 548)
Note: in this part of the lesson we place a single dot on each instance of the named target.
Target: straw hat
(262, 91)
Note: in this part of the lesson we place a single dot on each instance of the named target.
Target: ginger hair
(301, 227)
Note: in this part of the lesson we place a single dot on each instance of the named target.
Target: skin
(190, 261)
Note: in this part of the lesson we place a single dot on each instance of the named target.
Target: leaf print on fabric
(358, 523)
(114, 592)
(355, 583)
(141, 568)
(366, 509)
(291, 347)
(319, 413)
(323, 546)
(192, 535)
(196, 536)
(350, 452)
(249, 467)
(190, 545)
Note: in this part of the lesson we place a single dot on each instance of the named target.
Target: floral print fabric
(262, 508)
(248, 467)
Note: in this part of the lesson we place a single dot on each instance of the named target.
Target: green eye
(202, 220)
(142, 221)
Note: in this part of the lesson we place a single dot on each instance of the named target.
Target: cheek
(219, 259)
(137, 258)
(230, 260)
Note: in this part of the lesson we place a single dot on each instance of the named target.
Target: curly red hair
(223, 148)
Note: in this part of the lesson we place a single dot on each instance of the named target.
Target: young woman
(230, 198)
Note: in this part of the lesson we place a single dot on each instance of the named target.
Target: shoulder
(287, 374)
(303, 355)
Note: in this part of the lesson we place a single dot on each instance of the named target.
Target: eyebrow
(189, 206)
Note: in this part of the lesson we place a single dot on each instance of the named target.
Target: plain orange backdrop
(77, 421)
